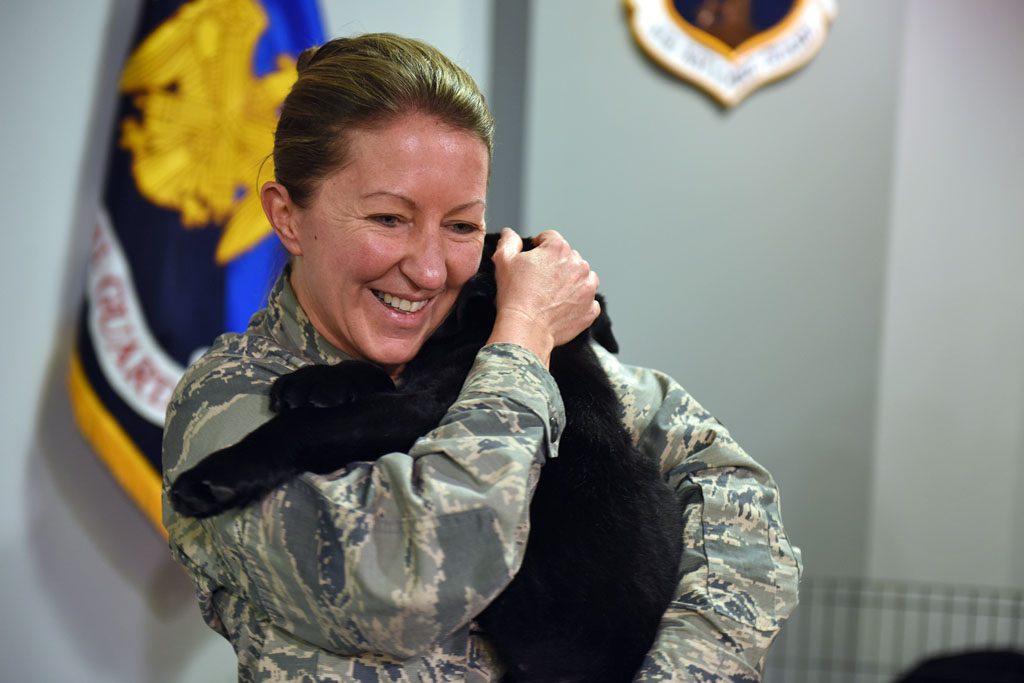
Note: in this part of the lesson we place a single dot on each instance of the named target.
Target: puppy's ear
(601, 329)
(475, 305)
(490, 244)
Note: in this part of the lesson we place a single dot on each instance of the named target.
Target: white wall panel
(949, 473)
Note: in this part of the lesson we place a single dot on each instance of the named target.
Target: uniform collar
(287, 323)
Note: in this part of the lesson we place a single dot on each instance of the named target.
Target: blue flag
(181, 250)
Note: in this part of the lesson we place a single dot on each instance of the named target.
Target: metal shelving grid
(866, 631)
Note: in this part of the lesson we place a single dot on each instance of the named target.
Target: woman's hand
(545, 295)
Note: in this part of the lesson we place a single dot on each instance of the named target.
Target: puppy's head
(474, 311)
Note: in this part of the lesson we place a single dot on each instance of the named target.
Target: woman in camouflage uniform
(382, 156)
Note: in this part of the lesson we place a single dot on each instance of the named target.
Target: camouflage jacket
(376, 572)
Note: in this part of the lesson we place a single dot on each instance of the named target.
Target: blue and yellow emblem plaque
(729, 48)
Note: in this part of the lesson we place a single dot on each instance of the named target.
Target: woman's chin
(393, 359)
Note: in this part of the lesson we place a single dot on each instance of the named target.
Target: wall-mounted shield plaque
(731, 47)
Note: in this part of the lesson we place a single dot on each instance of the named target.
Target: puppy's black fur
(602, 559)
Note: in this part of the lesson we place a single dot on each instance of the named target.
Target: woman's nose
(424, 262)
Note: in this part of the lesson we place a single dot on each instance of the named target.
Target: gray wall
(743, 252)
(833, 268)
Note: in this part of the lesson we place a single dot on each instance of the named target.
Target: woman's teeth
(401, 304)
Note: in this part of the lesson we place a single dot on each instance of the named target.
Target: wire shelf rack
(866, 631)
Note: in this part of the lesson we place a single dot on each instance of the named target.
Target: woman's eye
(464, 228)
(387, 221)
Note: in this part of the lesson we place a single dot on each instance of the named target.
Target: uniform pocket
(735, 527)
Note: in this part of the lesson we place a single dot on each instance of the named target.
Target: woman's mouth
(400, 304)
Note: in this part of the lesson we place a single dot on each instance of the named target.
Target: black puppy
(602, 558)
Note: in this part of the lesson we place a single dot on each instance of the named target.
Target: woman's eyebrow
(394, 195)
(467, 205)
(412, 205)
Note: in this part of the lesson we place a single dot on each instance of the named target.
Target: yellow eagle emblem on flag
(207, 122)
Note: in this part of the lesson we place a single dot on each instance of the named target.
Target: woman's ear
(283, 215)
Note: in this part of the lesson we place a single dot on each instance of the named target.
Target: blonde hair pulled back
(358, 83)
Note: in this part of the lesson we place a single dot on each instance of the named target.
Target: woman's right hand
(545, 295)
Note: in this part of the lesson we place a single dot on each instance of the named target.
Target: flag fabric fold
(181, 250)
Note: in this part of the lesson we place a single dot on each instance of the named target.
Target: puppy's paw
(203, 492)
(327, 386)
(232, 477)
(193, 496)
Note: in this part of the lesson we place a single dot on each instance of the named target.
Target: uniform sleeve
(740, 572)
(386, 557)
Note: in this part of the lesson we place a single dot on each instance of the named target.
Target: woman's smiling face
(390, 238)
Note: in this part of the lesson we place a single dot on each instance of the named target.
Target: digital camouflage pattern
(741, 573)
(375, 573)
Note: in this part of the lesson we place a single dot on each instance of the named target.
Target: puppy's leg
(325, 386)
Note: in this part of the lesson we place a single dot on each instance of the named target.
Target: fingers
(581, 267)
(545, 296)
(590, 285)
(509, 244)
(570, 258)
(553, 241)
(548, 236)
